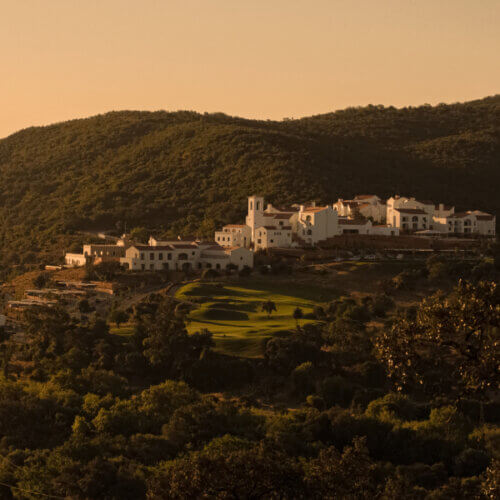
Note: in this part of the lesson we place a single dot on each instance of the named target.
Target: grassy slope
(232, 312)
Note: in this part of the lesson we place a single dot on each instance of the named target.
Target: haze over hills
(189, 172)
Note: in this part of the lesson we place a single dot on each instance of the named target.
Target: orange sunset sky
(63, 59)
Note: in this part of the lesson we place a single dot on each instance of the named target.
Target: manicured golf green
(233, 311)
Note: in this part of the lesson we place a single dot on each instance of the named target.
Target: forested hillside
(189, 172)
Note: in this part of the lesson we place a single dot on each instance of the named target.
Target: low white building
(355, 226)
(75, 259)
(234, 235)
(410, 219)
(273, 237)
(410, 215)
(185, 256)
(315, 224)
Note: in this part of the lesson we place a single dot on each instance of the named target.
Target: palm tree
(268, 307)
(297, 314)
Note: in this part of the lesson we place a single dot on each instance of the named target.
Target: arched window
(414, 218)
(251, 205)
(258, 205)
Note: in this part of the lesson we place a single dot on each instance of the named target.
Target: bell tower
(255, 217)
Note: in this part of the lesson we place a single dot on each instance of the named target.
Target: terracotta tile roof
(415, 211)
(353, 222)
(286, 227)
(365, 196)
(458, 215)
(269, 227)
(485, 217)
(235, 225)
(279, 216)
(214, 248)
(184, 245)
(148, 248)
(314, 209)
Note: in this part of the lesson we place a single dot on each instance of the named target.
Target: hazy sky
(63, 59)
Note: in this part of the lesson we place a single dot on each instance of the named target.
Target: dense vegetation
(369, 401)
(186, 172)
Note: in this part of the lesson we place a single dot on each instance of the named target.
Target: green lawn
(233, 311)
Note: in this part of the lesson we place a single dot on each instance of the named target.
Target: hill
(189, 172)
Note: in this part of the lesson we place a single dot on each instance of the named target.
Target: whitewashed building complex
(309, 224)
(298, 225)
(173, 255)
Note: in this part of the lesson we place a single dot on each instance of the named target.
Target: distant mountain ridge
(188, 172)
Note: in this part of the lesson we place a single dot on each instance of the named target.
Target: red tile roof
(415, 211)
(485, 217)
(314, 209)
(353, 222)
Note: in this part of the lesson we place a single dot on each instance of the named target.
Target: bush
(302, 378)
(336, 391)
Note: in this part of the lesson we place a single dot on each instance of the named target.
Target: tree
(84, 306)
(451, 347)
(238, 472)
(140, 234)
(342, 475)
(42, 280)
(268, 307)
(118, 316)
(167, 345)
(209, 274)
(297, 315)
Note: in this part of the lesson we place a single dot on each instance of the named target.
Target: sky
(267, 59)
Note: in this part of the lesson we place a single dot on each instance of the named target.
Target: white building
(411, 215)
(234, 235)
(314, 224)
(185, 256)
(369, 206)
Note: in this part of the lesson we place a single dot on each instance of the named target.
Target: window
(152, 267)
(142, 256)
(192, 253)
(309, 232)
(169, 256)
(405, 219)
(160, 256)
(259, 241)
(165, 265)
(272, 241)
(414, 218)
(143, 266)
(152, 256)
